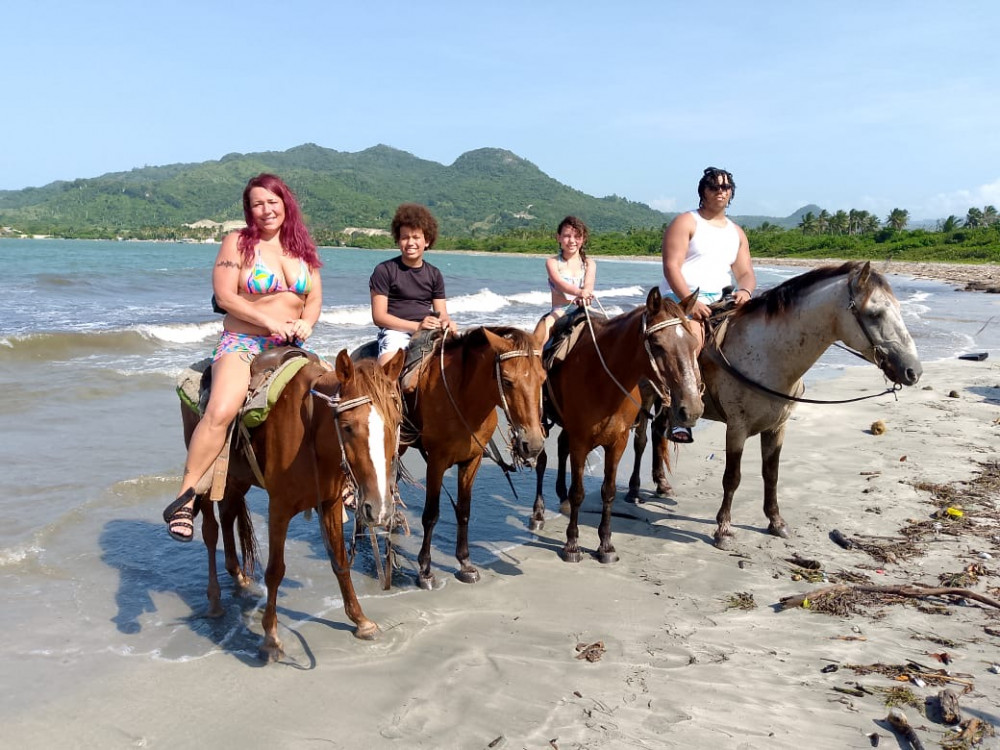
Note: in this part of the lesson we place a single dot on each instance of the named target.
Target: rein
(646, 332)
(877, 354)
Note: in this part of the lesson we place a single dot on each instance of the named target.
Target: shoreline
(695, 650)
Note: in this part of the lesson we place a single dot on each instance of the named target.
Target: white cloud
(667, 205)
(959, 202)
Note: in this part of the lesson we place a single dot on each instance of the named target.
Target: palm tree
(974, 219)
(823, 222)
(808, 223)
(869, 223)
(990, 215)
(839, 223)
(854, 221)
(897, 218)
(951, 224)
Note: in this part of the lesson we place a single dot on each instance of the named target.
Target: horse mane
(786, 295)
(474, 338)
(372, 381)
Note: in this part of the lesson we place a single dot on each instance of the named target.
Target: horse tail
(248, 539)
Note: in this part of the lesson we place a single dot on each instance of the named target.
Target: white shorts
(392, 341)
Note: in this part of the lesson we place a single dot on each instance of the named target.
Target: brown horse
(595, 398)
(754, 379)
(454, 410)
(327, 431)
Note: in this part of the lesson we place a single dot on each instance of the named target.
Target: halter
(878, 353)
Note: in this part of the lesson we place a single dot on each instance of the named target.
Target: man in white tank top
(701, 249)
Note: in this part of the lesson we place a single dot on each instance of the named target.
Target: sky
(848, 105)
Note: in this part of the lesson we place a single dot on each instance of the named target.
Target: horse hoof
(725, 542)
(426, 582)
(633, 498)
(607, 557)
(536, 524)
(574, 556)
(215, 610)
(780, 531)
(663, 488)
(366, 632)
(270, 652)
(468, 575)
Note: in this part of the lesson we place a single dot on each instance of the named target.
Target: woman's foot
(179, 516)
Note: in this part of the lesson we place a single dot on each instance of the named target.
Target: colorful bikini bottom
(246, 343)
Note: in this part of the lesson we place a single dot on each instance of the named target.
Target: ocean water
(92, 336)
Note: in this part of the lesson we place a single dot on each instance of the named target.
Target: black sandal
(177, 515)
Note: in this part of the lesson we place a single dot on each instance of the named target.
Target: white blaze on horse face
(376, 450)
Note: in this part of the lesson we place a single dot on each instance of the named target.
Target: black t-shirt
(410, 290)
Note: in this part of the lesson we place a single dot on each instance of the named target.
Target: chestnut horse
(328, 430)
(453, 409)
(754, 379)
(595, 398)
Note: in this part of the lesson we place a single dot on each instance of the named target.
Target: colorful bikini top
(262, 280)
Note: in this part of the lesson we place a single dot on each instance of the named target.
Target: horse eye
(348, 428)
(508, 383)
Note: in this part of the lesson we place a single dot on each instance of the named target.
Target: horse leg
(638, 447)
(210, 534)
(467, 572)
(730, 481)
(770, 453)
(571, 552)
(331, 521)
(429, 519)
(612, 456)
(277, 529)
(233, 503)
(661, 453)
(563, 444)
(537, 522)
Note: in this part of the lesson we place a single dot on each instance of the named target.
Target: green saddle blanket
(193, 387)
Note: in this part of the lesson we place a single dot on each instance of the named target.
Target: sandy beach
(695, 650)
(983, 277)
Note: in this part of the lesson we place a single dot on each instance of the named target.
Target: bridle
(338, 405)
(511, 424)
(646, 333)
(878, 354)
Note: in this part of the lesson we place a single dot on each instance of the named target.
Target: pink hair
(294, 236)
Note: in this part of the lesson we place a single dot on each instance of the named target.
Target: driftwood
(948, 704)
(919, 592)
(900, 723)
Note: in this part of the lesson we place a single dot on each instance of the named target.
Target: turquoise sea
(92, 336)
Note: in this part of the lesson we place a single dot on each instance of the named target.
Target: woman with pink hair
(266, 280)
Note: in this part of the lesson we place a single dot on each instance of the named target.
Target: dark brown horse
(454, 410)
(328, 430)
(595, 398)
(754, 378)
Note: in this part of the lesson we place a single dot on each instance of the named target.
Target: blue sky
(867, 105)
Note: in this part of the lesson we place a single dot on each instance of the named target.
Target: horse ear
(654, 300)
(864, 274)
(344, 367)
(394, 366)
(688, 303)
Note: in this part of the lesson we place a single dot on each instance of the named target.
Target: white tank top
(711, 253)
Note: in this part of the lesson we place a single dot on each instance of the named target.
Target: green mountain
(484, 191)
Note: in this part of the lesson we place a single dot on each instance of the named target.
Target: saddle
(564, 335)
(270, 372)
